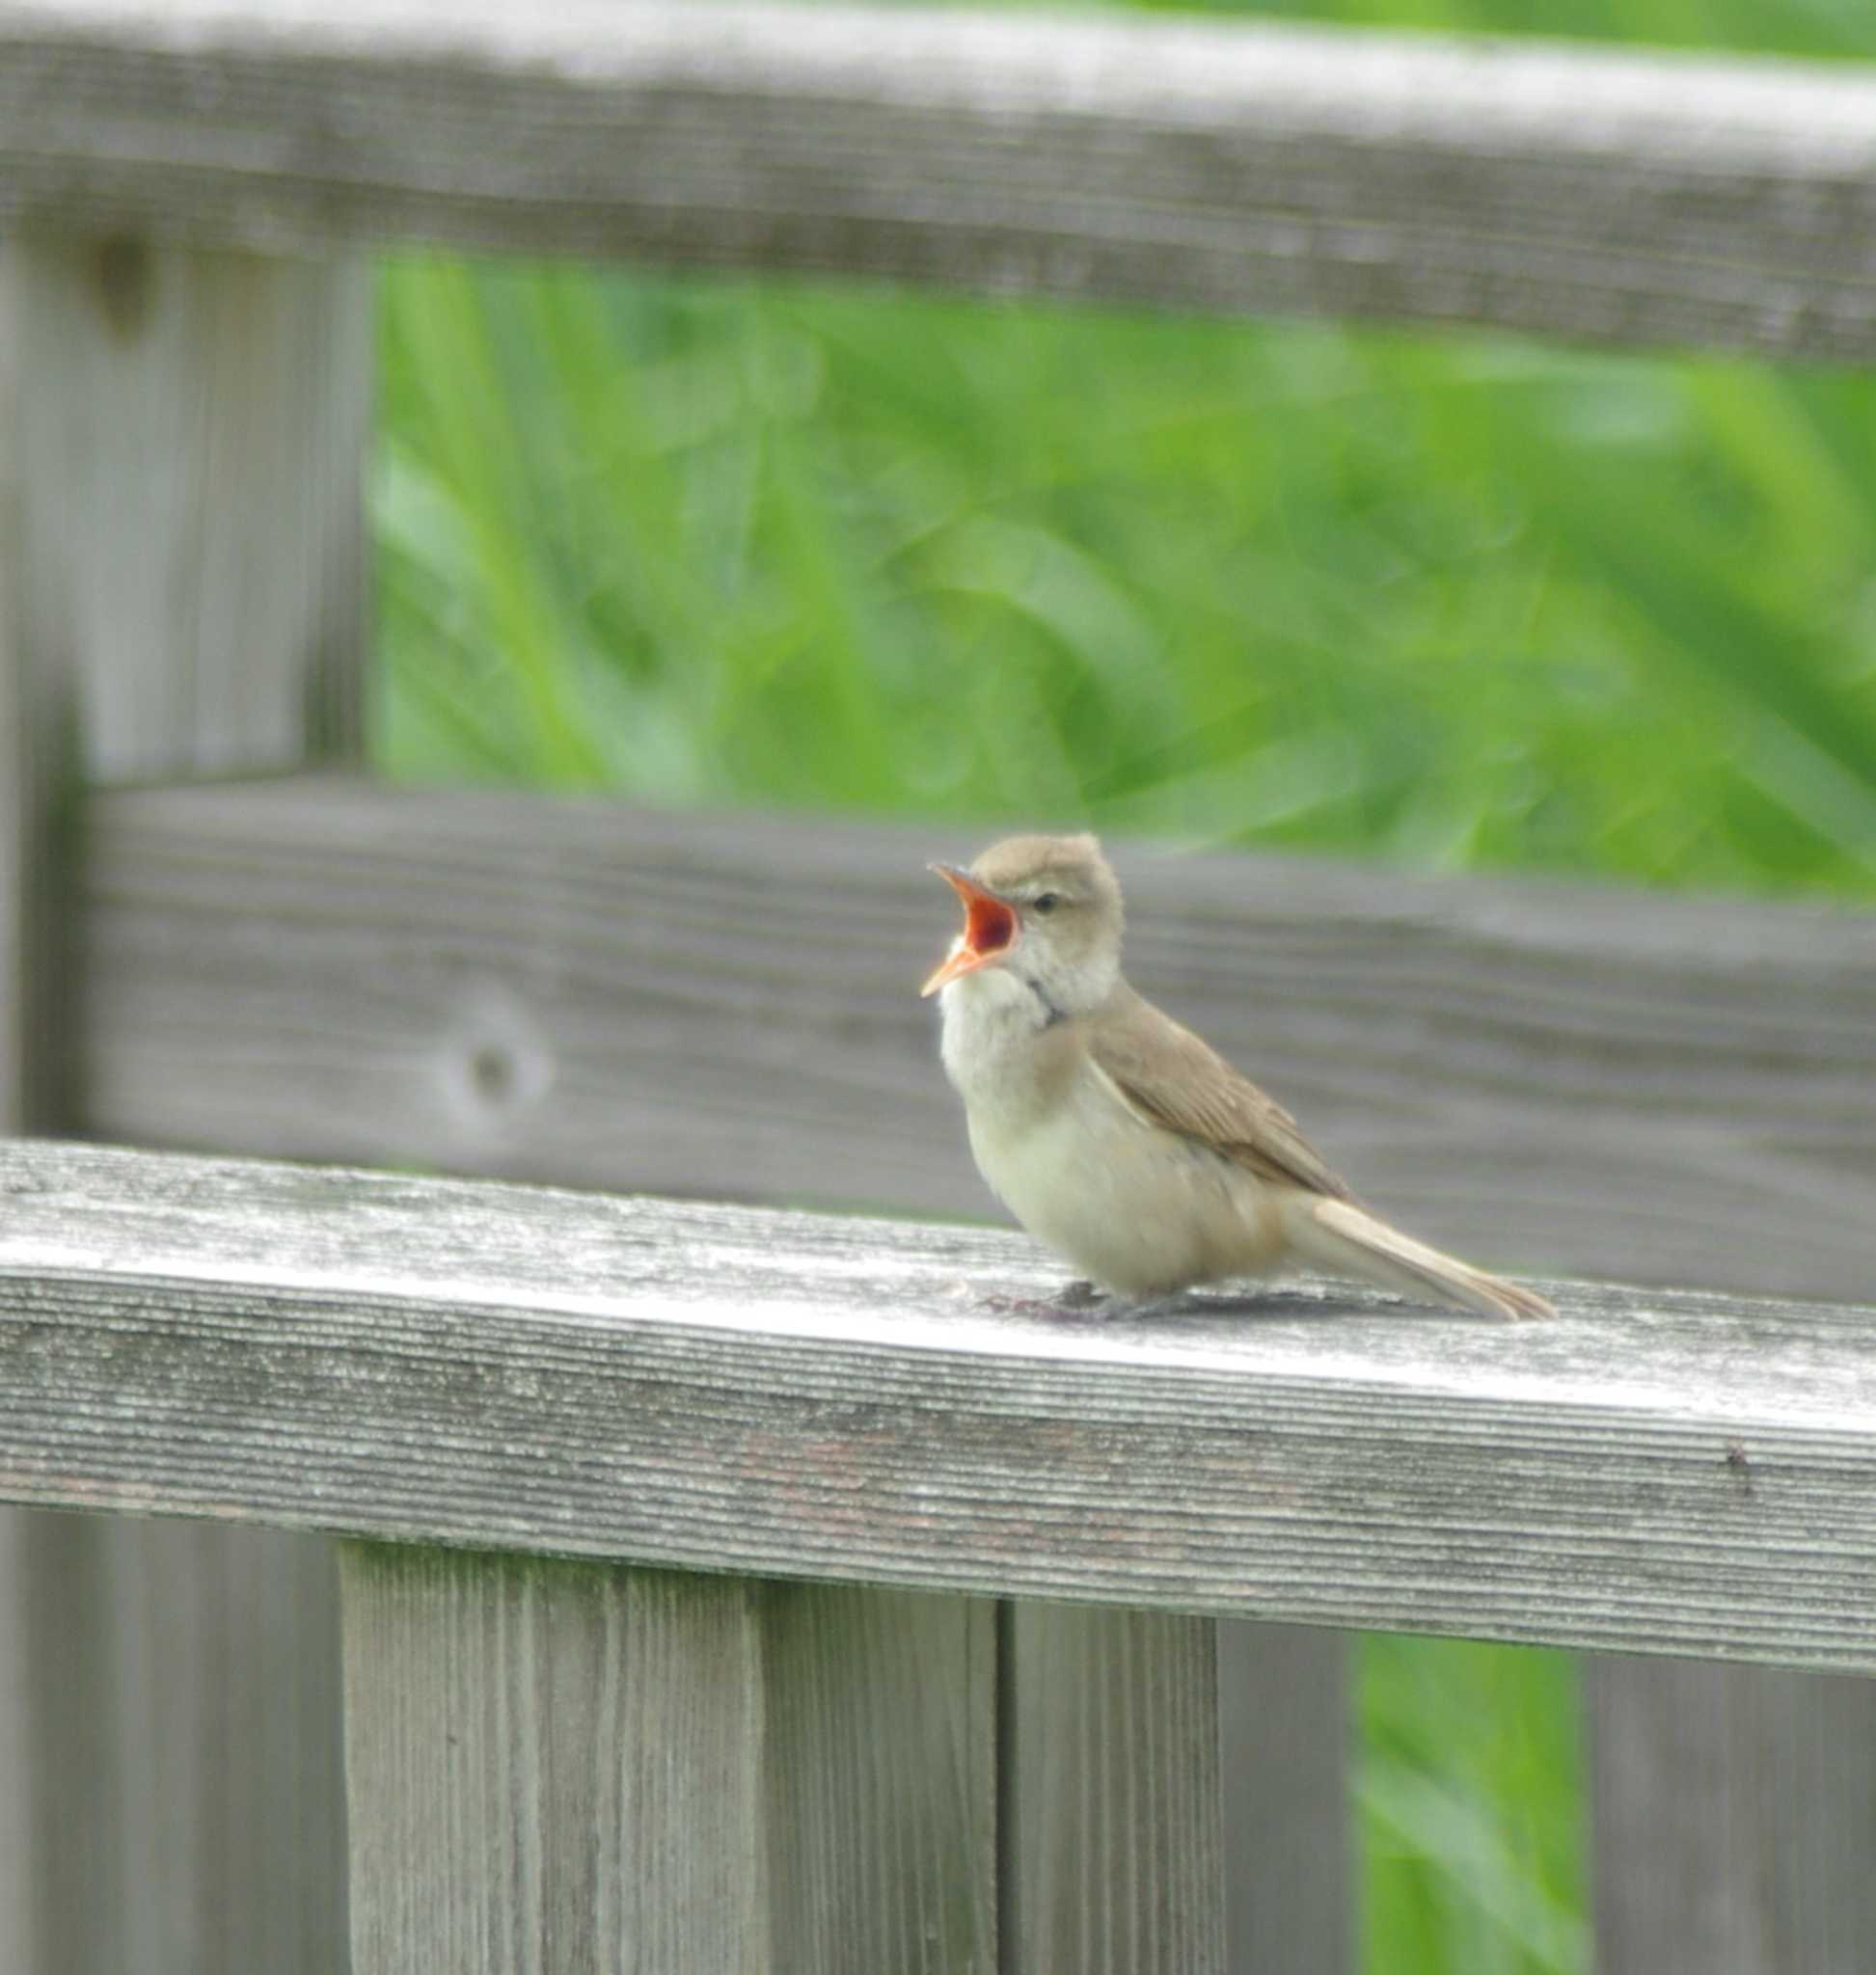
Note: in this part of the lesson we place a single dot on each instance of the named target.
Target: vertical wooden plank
(190, 571)
(1113, 1853)
(552, 1767)
(575, 1770)
(881, 1709)
(1734, 1819)
(182, 586)
(183, 1822)
(18, 1811)
(18, 810)
(18, 806)
(1284, 1730)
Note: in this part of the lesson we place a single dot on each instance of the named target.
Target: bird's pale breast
(1135, 1208)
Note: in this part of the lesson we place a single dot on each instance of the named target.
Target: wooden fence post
(17, 1949)
(1114, 1840)
(17, 831)
(572, 1769)
(1733, 1816)
(1286, 1709)
(181, 565)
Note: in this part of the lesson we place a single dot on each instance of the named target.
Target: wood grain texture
(553, 1769)
(185, 1742)
(1534, 1073)
(18, 1809)
(33, 781)
(25, 994)
(1284, 1727)
(180, 581)
(1114, 1853)
(1734, 1820)
(647, 1772)
(191, 556)
(1583, 193)
(880, 1766)
(784, 1395)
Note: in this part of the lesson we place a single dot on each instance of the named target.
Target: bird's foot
(1074, 1299)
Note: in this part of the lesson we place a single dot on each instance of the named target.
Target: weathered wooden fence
(862, 1731)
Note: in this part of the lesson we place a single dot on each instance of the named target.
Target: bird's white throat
(991, 1018)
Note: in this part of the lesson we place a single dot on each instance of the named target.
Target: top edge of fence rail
(1087, 63)
(726, 1389)
(353, 1233)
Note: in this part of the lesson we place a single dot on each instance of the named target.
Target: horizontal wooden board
(767, 1393)
(1552, 1076)
(1228, 166)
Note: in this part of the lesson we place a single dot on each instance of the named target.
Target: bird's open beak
(989, 929)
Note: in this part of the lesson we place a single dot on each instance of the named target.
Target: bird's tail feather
(1337, 1235)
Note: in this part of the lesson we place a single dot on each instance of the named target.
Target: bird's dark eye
(1045, 901)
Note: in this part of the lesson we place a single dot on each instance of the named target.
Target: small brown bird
(1118, 1137)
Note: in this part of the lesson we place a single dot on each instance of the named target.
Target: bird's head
(1043, 911)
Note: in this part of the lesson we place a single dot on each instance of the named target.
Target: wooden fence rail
(730, 1389)
(1572, 191)
(934, 1778)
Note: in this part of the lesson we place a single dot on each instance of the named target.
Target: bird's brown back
(1178, 1081)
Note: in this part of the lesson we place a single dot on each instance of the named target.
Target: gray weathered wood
(652, 1772)
(184, 1737)
(24, 986)
(726, 1389)
(1542, 1074)
(880, 1712)
(18, 1810)
(180, 583)
(1116, 1860)
(1284, 1730)
(36, 767)
(551, 1769)
(190, 562)
(1581, 192)
(1734, 1818)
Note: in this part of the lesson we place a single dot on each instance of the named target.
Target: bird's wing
(1170, 1077)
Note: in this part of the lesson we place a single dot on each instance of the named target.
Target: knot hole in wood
(492, 1071)
(495, 1062)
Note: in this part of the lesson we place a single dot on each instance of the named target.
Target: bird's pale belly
(1135, 1209)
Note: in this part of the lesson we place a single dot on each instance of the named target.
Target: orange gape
(989, 927)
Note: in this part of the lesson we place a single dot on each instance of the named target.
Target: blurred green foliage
(1448, 603)
(1445, 602)
(1470, 1799)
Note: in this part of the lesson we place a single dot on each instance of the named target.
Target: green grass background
(1442, 603)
